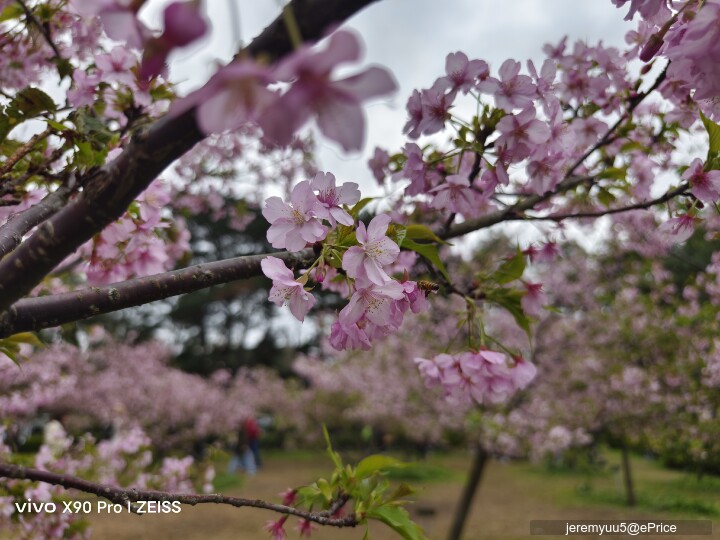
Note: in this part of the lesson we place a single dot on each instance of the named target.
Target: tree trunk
(627, 476)
(480, 459)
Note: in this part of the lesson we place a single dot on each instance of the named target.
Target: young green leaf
(399, 520)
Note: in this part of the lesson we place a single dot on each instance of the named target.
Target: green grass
(424, 472)
(656, 489)
(224, 481)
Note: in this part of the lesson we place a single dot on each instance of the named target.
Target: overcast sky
(412, 39)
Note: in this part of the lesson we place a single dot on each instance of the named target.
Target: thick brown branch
(126, 496)
(48, 311)
(20, 224)
(118, 183)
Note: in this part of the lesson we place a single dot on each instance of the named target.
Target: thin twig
(7, 165)
(126, 496)
(43, 29)
(599, 213)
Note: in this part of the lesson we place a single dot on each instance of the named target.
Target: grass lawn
(510, 495)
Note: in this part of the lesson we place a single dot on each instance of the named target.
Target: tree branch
(599, 213)
(41, 27)
(119, 182)
(47, 311)
(126, 496)
(7, 165)
(12, 232)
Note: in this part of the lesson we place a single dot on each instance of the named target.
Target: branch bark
(47, 311)
(127, 496)
(12, 232)
(119, 182)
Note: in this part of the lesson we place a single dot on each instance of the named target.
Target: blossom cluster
(484, 376)
(183, 24)
(377, 302)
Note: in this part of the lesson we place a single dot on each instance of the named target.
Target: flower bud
(651, 48)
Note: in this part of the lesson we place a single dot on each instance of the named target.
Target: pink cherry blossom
(705, 185)
(512, 91)
(414, 108)
(484, 376)
(116, 66)
(119, 19)
(366, 261)
(294, 225)
(521, 133)
(286, 290)
(183, 25)
(335, 103)
(648, 9)
(678, 229)
(457, 195)
(84, 90)
(435, 110)
(534, 299)
(235, 95)
(373, 302)
(305, 527)
(379, 164)
(331, 197)
(348, 336)
(276, 528)
(461, 73)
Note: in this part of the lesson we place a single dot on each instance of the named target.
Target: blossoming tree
(89, 122)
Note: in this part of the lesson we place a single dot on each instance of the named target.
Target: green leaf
(511, 301)
(377, 463)
(403, 490)
(56, 125)
(399, 520)
(13, 11)
(333, 455)
(325, 488)
(422, 232)
(360, 205)
(24, 337)
(10, 347)
(605, 197)
(613, 173)
(397, 233)
(30, 102)
(714, 134)
(511, 269)
(430, 252)
(5, 127)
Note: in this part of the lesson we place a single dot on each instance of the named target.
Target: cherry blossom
(366, 261)
(335, 103)
(235, 95)
(331, 197)
(512, 90)
(286, 290)
(183, 25)
(462, 74)
(705, 185)
(534, 299)
(373, 302)
(294, 225)
(678, 229)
